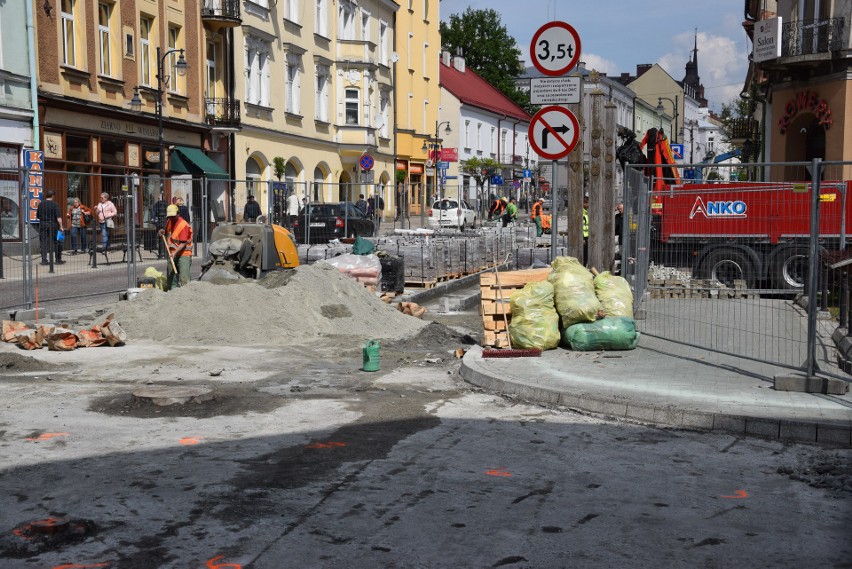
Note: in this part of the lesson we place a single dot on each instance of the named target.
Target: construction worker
(536, 214)
(497, 209)
(511, 214)
(178, 234)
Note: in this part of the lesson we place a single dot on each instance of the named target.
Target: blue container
(372, 360)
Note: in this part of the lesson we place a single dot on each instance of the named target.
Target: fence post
(823, 301)
(844, 306)
(813, 268)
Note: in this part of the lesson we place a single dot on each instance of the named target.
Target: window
(467, 134)
(145, 25)
(425, 59)
(493, 140)
(322, 17)
(294, 84)
(174, 78)
(479, 137)
(408, 50)
(291, 10)
(346, 20)
(210, 83)
(383, 42)
(323, 75)
(69, 46)
(365, 25)
(384, 114)
(352, 103)
(257, 71)
(104, 11)
(318, 181)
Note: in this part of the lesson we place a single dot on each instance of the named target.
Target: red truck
(755, 231)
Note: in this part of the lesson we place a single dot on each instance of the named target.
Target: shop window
(113, 152)
(77, 149)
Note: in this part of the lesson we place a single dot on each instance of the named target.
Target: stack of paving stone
(696, 288)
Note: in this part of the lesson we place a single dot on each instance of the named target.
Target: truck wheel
(790, 268)
(728, 265)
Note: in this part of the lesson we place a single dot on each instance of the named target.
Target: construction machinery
(248, 251)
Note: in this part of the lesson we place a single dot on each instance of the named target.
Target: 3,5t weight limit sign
(555, 48)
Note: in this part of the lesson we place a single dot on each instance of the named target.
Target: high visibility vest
(585, 224)
(536, 210)
(180, 225)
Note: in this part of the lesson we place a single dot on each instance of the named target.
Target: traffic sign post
(555, 49)
(366, 162)
(554, 132)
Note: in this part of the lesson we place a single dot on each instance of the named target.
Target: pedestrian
(183, 209)
(49, 224)
(361, 204)
(378, 210)
(106, 212)
(159, 218)
(178, 234)
(511, 215)
(536, 214)
(78, 217)
(292, 208)
(619, 219)
(251, 211)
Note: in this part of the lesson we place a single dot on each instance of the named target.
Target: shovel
(171, 259)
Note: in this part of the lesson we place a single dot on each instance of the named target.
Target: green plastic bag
(615, 295)
(362, 246)
(574, 291)
(535, 323)
(615, 333)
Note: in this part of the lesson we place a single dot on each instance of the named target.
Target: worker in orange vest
(497, 209)
(536, 214)
(178, 234)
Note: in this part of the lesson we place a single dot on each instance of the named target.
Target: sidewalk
(669, 384)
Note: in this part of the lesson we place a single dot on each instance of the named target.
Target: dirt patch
(335, 311)
(225, 401)
(12, 362)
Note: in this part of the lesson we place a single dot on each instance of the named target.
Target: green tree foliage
(278, 166)
(488, 49)
(734, 112)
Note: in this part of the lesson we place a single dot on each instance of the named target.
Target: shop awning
(185, 160)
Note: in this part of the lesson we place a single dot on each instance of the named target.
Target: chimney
(445, 58)
(458, 60)
(642, 68)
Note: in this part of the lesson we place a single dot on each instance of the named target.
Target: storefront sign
(450, 154)
(767, 40)
(401, 165)
(805, 101)
(416, 169)
(119, 128)
(34, 163)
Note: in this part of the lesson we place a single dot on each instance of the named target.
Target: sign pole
(554, 210)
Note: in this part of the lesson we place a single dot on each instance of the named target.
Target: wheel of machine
(790, 268)
(727, 265)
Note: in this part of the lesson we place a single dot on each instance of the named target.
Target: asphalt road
(301, 460)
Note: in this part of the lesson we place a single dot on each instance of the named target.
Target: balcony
(218, 14)
(812, 37)
(223, 113)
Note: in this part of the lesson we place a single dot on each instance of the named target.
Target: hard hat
(541, 199)
(172, 210)
(504, 199)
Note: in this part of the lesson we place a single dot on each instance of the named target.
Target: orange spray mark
(47, 436)
(75, 566)
(739, 494)
(211, 564)
(498, 472)
(332, 444)
(190, 440)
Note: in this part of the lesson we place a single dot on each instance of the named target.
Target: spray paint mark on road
(738, 495)
(47, 436)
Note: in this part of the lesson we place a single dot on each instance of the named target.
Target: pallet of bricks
(424, 265)
(496, 288)
(697, 288)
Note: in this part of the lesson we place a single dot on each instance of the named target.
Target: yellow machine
(248, 251)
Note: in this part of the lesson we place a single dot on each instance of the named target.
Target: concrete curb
(794, 431)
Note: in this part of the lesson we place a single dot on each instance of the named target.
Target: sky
(616, 35)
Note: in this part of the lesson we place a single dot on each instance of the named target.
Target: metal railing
(226, 9)
(810, 37)
(223, 112)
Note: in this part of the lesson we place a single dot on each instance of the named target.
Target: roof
(473, 90)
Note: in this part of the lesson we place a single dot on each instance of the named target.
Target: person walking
(361, 204)
(77, 215)
(183, 209)
(251, 211)
(49, 223)
(511, 215)
(536, 214)
(378, 210)
(159, 219)
(178, 234)
(292, 208)
(106, 212)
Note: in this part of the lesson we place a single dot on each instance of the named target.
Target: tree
(488, 49)
(733, 115)
(480, 169)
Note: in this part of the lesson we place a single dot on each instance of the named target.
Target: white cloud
(600, 64)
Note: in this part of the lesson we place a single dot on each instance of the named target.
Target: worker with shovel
(178, 238)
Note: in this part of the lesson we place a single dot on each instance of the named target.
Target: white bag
(110, 223)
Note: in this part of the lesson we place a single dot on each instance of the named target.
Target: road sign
(366, 162)
(527, 173)
(443, 165)
(555, 48)
(554, 90)
(677, 151)
(497, 180)
(554, 132)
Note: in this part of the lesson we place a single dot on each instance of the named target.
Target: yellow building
(418, 97)
(316, 84)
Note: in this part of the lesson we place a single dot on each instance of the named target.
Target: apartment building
(416, 58)
(316, 81)
(95, 60)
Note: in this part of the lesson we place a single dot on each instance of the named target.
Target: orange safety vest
(536, 210)
(178, 229)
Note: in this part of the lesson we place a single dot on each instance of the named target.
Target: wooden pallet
(495, 309)
(421, 284)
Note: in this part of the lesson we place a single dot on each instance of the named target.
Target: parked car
(448, 213)
(322, 222)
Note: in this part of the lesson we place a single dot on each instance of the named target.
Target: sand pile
(314, 301)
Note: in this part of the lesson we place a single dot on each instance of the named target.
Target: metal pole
(554, 209)
(813, 275)
(159, 109)
(844, 300)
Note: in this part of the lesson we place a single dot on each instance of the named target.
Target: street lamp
(434, 144)
(181, 67)
(661, 109)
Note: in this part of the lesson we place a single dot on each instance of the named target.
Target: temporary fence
(723, 265)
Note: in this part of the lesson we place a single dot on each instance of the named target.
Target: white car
(448, 213)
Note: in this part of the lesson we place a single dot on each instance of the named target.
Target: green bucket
(371, 356)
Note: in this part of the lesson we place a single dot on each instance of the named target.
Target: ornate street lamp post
(434, 144)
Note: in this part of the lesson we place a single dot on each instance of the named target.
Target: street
(303, 460)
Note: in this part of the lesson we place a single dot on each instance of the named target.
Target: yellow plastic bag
(159, 278)
(574, 291)
(535, 323)
(615, 295)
